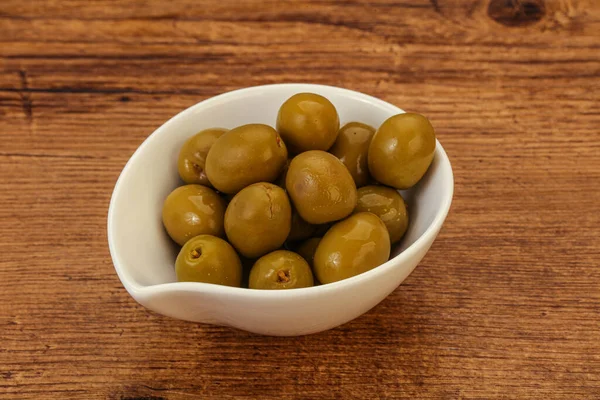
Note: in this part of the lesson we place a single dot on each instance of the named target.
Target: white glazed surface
(144, 256)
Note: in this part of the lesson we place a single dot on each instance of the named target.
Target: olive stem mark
(196, 253)
(283, 276)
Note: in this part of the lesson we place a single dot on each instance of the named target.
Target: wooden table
(506, 305)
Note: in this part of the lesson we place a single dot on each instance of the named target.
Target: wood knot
(516, 12)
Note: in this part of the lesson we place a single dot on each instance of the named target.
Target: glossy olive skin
(307, 249)
(258, 219)
(402, 150)
(193, 210)
(308, 121)
(245, 155)
(209, 259)
(352, 148)
(300, 229)
(388, 205)
(320, 187)
(357, 244)
(281, 269)
(192, 156)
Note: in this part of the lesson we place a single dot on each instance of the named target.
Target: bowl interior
(143, 253)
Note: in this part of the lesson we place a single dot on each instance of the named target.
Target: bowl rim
(137, 290)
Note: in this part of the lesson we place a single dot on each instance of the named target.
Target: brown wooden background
(506, 305)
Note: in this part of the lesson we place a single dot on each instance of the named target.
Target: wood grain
(506, 305)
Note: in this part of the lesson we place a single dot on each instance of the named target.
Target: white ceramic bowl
(144, 256)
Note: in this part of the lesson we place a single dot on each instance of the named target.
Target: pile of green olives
(298, 205)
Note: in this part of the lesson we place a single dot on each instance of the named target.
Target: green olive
(308, 248)
(402, 150)
(388, 205)
(193, 210)
(320, 187)
(308, 121)
(258, 219)
(208, 259)
(245, 155)
(355, 245)
(281, 269)
(352, 148)
(192, 156)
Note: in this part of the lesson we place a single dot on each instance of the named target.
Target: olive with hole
(308, 121)
(355, 245)
(352, 148)
(245, 155)
(402, 150)
(307, 249)
(258, 219)
(281, 269)
(209, 259)
(388, 205)
(193, 210)
(192, 156)
(320, 187)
